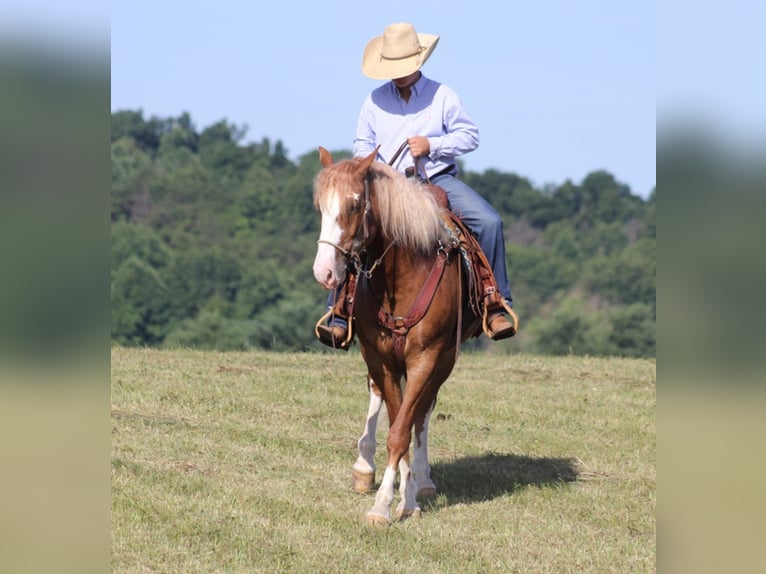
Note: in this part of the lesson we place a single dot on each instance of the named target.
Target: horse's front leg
(363, 471)
(420, 466)
(407, 506)
(398, 443)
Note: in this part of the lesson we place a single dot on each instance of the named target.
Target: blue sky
(710, 68)
(557, 88)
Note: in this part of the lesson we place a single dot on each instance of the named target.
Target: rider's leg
(335, 332)
(484, 221)
(336, 319)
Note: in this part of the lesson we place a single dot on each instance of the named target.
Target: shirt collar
(415, 88)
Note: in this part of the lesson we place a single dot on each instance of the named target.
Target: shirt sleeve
(460, 135)
(364, 140)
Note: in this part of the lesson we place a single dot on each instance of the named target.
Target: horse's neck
(396, 272)
(396, 258)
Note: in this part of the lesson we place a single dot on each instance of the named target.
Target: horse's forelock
(330, 180)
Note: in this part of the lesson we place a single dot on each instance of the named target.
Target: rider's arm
(364, 140)
(459, 134)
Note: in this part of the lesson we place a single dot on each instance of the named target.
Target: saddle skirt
(484, 296)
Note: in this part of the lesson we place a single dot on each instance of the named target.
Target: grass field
(241, 462)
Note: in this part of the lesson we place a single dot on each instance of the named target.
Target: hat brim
(378, 68)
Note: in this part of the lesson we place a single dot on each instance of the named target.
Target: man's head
(407, 81)
(398, 53)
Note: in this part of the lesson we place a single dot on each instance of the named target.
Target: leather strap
(400, 326)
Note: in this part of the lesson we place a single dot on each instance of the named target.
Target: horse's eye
(354, 207)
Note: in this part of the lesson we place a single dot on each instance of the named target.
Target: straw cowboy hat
(399, 52)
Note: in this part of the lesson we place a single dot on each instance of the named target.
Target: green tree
(564, 240)
(211, 330)
(219, 148)
(627, 278)
(633, 331)
(603, 239)
(539, 271)
(131, 124)
(131, 172)
(197, 275)
(140, 304)
(605, 199)
(259, 288)
(129, 240)
(289, 324)
(571, 330)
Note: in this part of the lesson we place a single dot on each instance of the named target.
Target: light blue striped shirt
(434, 111)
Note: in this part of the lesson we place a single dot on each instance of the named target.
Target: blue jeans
(335, 320)
(484, 221)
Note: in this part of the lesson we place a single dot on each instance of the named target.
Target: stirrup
(328, 340)
(327, 337)
(511, 312)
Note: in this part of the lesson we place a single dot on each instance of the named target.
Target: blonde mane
(409, 215)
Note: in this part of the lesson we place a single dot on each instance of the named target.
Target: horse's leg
(380, 513)
(407, 506)
(363, 471)
(418, 479)
(399, 437)
(420, 466)
(414, 405)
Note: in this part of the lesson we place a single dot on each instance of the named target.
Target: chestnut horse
(408, 309)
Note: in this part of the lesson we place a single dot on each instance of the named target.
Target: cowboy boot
(334, 335)
(499, 327)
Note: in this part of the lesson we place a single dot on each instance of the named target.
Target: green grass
(241, 462)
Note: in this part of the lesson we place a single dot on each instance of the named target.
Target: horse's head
(342, 196)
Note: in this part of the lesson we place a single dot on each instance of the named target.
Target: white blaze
(329, 265)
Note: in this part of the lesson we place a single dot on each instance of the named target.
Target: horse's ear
(365, 164)
(324, 157)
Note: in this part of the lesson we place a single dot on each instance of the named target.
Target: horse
(410, 310)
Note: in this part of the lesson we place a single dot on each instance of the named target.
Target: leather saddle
(484, 296)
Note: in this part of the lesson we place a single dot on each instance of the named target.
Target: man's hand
(419, 146)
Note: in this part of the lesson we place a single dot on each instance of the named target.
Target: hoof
(426, 492)
(363, 481)
(375, 519)
(408, 513)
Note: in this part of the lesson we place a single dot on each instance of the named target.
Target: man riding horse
(430, 118)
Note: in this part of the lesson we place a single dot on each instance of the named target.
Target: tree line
(213, 240)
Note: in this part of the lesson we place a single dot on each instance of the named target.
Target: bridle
(361, 231)
(353, 257)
